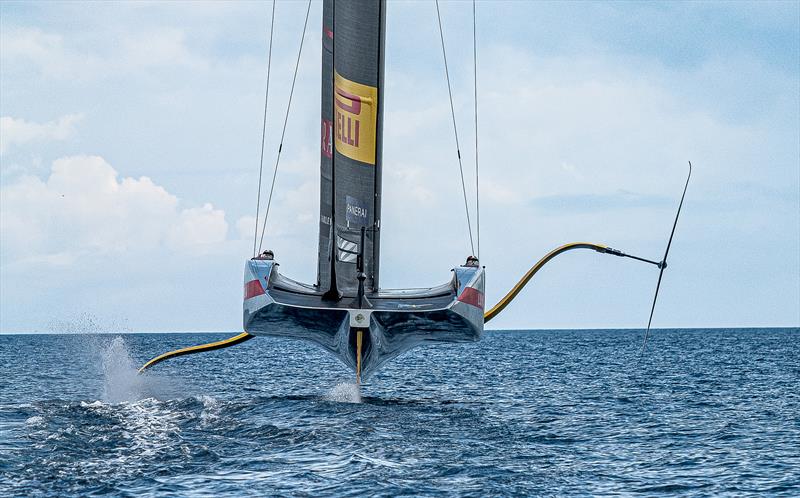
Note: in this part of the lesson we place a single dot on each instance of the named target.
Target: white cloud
(44, 50)
(164, 47)
(198, 227)
(76, 57)
(245, 226)
(85, 208)
(15, 131)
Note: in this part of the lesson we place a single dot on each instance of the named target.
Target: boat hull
(390, 322)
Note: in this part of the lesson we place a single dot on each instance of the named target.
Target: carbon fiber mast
(357, 54)
(326, 254)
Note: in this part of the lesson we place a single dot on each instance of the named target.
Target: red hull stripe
(253, 288)
(472, 297)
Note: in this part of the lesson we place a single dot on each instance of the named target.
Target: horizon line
(558, 329)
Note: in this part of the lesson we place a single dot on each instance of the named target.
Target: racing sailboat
(345, 311)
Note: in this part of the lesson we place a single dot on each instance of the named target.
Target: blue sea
(569, 412)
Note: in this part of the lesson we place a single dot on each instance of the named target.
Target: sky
(130, 136)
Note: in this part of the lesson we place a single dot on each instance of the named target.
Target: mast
(326, 152)
(357, 53)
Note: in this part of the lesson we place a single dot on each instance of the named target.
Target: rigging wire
(264, 129)
(475, 99)
(283, 132)
(455, 129)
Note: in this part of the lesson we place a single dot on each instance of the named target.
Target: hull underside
(389, 323)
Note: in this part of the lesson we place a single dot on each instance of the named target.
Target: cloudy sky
(130, 137)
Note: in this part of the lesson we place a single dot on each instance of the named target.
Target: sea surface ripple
(703, 412)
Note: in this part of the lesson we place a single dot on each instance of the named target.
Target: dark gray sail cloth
(352, 175)
(326, 151)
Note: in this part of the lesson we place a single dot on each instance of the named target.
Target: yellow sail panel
(355, 120)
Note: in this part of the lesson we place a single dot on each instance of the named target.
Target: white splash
(211, 410)
(345, 392)
(35, 421)
(122, 379)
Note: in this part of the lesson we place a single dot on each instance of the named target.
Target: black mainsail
(352, 96)
(326, 152)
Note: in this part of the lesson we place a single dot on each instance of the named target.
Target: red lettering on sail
(355, 116)
(327, 137)
(347, 129)
(355, 107)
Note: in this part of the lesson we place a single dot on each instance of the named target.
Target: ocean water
(704, 412)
